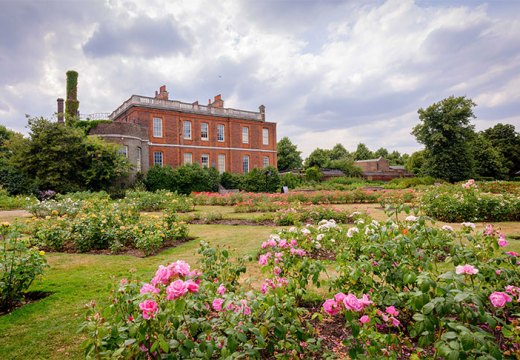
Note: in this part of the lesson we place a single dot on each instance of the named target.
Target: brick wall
(174, 145)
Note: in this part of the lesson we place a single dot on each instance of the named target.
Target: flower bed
(468, 202)
(310, 197)
(399, 289)
(106, 225)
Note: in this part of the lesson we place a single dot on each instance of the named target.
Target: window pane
(188, 158)
(245, 135)
(158, 158)
(204, 131)
(266, 161)
(245, 164)
(138, 159)
(157, 127)
(220, 133)
(187, 130)
(221, 163)
(265, 136)
(205, 161)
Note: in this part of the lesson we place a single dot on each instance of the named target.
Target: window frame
(245, 169)
(221, 130)
(184, 123)
(221, 165)
(157, 127)
(206, 138)
(138, 160)
(155, 162)
(265, 136)
(202, 161)
(185, 157)
(245, 135)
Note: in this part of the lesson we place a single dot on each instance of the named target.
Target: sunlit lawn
(48, 328)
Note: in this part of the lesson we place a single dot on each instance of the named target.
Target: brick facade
(172, 143)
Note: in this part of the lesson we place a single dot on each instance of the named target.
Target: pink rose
(489, 230)
(192, 286)
(180, 268)
(365, 300)
(283, 244)
(395, 322)
(364, 319)
(331, 307)
(351, 302)
(466, 269)
(176, 289)
(502, 240)
(277, 270)
(498, 272)
(149, 308)
(149, 288)
(512, 253)
(217, 304)
(392, 311)
(162, 276)
(499, 299)
(339, 297)
(262, 260)
(221, 289)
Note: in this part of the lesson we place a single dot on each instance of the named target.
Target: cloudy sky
(328, 71)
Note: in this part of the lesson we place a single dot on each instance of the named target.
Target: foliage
(291, 180)
(104, 225)
(159, 200)
(346, 165)
(63, 159)
(457, 203)
(415, 163)
(197, 314)
(183, 179)
(489, 162)
(19, 266)
(262, 180)
(404, 183)
(14, 202)
(319, 158)
(231, 181)
(506, 141)
(71, 103)
(288, 156)
(86, 125)
(313, 174)
(445, 130)
(363, 153)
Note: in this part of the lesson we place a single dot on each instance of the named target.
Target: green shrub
(183, 179)
(291, 180)
(404, 183)
(19, 266)
(262, 180)
(231, 181)
(313, 174)
(14, 202)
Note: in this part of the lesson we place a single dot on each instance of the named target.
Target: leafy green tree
(381, 152)
(415, 162)
(313, 174)
(446, 132)
(346, 164)
(338, 152)
(289, 157)
(489, 162)
(363, 153)
(506, 140)
(318, 158)
(63, 159)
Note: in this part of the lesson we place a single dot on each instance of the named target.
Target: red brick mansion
(160, 131)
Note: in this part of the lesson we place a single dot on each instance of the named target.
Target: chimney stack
(217, 101)
(162, 94)
(262, 112)
(60, 110)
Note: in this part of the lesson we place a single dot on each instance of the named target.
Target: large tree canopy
(289, 157)
(63, 158)
(506, 141)
(446, 132)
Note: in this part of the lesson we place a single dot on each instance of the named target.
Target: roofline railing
(144, 101)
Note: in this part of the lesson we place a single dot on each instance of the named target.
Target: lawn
(48, 328)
